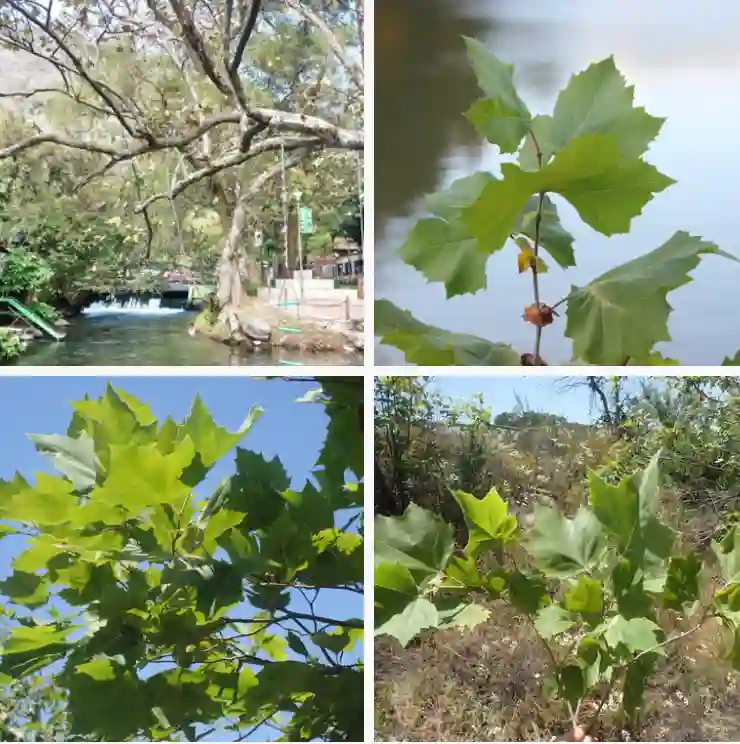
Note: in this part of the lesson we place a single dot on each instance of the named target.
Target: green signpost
(305, 220)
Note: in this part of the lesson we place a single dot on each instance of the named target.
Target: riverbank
(258, 326)
(154, 338)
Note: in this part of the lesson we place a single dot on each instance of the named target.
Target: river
(683, 58)
(153, 337)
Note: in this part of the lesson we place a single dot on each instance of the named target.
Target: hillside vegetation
(488, 683)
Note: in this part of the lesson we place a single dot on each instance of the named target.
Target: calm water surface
(152, 339)
(684, 59)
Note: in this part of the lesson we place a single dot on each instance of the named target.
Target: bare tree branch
(229, 161)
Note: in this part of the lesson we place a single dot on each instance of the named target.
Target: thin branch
(228, 161)
(355, 71)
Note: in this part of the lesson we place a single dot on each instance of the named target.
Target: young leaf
(488, 520)
(586, 597)
(425, 344)
(502, 116)
(538, 148)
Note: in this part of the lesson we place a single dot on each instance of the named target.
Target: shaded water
(137, 338)
(684, 60)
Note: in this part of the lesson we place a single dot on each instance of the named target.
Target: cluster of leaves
(60, 241)
(589, 151)
(138, 589)
(11, 347)
(696, 421)
(592, 585)
(23, 273)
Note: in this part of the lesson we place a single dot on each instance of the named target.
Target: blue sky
(541, 394)
(292, 431)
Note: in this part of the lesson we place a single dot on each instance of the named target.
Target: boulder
(256, 329)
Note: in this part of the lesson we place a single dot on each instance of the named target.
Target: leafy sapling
(589, 151)
(601, 589)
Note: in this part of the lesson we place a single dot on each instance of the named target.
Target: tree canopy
(139, 609)
(172, 123)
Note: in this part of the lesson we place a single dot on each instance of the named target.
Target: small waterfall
(138, 305)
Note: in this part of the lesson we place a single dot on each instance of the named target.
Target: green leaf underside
(622, 314)
(424, 344)
(442, 248)
(565, 547)
(124, 541)
(445, 252)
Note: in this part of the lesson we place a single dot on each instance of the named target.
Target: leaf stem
(535, 250)
(535, 279)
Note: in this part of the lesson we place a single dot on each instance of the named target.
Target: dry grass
(487, 685)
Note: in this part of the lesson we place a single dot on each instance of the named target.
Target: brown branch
(189, 35)
(229, 161)
(244, 35)
(76, 62)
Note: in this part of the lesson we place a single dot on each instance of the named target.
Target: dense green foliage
(10, 346)
(141, 135)
(162, 615)
(594, 582)
(589, 151)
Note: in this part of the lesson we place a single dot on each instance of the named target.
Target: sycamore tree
(220, 97)
(141, 609)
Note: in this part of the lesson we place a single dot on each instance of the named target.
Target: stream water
(684, 60)
(151, 336)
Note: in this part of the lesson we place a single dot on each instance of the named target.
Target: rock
(257, 329)
(61, 322)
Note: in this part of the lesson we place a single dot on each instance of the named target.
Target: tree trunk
(230, 269)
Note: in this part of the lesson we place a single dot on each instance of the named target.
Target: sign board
(305, 220)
